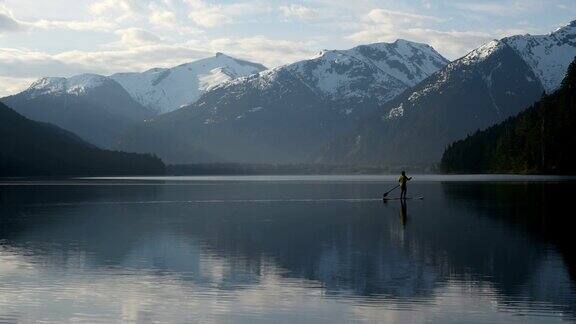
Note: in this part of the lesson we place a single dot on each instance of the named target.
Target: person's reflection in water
(403, 213)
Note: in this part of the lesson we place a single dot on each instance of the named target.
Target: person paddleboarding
(403, 180)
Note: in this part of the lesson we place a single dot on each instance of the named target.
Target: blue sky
(66, 37)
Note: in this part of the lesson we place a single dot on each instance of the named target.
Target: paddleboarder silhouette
(403, 180)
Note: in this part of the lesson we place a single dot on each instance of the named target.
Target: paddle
(389, 191)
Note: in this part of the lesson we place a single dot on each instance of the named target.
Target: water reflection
(246, 252)
(403, 212)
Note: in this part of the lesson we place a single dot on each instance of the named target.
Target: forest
(539, 140)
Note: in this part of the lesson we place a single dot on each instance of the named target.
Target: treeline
(279, 169)
(29, 148)
(542, 139)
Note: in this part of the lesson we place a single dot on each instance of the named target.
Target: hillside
(285, 115)
(94, 107)
(29, 148)
(493, 82)
(164, 90)
(539, 140)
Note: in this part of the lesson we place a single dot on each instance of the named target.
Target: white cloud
(19, 67)
(211, 15)
(397, 17)
(270, 52)
(163, 17)
(381, 25)
(16, 63)
(137, 37)
(7, 22)
(91, 25)
(10, 85)
(501, 8)
(299, 11)
(126, 7)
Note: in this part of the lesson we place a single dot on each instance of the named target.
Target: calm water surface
(287, 250)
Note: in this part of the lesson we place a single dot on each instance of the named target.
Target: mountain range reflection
(489, 238)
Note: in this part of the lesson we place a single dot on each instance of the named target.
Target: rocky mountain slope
(165, 90)
(94, 107)
(29, 148)
(286, 114)
(490, 84)
(539, 140)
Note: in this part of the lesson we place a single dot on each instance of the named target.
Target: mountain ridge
(167, 89)
(484, 87)
(286, 113)
(95, 107)
(30, 148)
(538, 140)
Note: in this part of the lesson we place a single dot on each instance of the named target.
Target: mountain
(538, 140)
(287, 113)
(96, 108)
(165, 90)
(547, 55)
(29, 148)
(488, 85)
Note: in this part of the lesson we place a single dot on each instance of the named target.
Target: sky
(67, 37)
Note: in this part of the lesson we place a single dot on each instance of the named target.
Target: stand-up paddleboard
(407, 198)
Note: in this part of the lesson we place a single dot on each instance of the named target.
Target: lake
(288, 249)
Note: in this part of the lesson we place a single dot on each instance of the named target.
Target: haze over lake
(477, 249)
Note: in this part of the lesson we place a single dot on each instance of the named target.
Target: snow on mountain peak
(375, 72)
(165, 90)
(83, 82)
(75, 85)
(407, 61)
(482, 52)
(320, 53)
(547, 55)
(353, 73)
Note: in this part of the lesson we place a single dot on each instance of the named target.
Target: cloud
(270, 52)
(10, 85)
(137, 37)
(501, 8)
(211, 15)
(126, 7)
(7, 22)
(298, 11)
(163, 17)
(91, 25)
(381, 25)
(19, 67)
(15, 63)
(398, 17)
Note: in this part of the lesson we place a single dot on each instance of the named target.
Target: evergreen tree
(538, 140)
(29, 148)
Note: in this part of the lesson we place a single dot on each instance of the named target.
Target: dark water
(288, 250)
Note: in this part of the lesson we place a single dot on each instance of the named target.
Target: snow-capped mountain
(493, 82)
(76, 85)
(95, 107)
(165, 90)
(547, 55)
(287, 113)
(380, 70)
